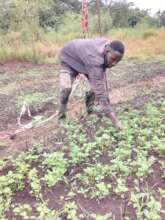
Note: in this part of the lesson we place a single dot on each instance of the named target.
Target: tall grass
(141, 42)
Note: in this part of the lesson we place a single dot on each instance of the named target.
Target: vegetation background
(36, 30)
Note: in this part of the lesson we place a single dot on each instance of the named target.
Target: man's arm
(97, 81)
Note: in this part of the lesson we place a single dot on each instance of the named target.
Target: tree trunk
(99, 16)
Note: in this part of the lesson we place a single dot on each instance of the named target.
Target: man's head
(113, 53)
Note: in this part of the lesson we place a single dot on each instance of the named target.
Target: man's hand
(118, 125)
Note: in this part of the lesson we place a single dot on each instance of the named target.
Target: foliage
(56, 166)
(70, 211)
(92, 181)
(161, 17)
(105, 165)
(45, 213)
(34, 183)
(16, 14)
(146, 206)
(24, 211)
(31, 99)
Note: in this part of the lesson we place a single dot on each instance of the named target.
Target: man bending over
(90, 57)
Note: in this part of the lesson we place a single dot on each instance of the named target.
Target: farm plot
(84, 168)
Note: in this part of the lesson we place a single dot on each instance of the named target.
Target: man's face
(113, 57)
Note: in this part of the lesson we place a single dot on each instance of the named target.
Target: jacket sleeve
(97, 80)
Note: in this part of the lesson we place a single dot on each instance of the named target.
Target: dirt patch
(16, 67)
(131, 91)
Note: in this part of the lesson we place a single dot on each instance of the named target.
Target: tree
(51, 15)
(119, 12)
(161, 18)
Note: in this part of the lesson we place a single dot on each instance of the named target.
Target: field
(83, 168)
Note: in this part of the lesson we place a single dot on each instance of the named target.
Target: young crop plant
(81, 154)
(103, 141)
(9, 185)
(101, 190)
(123, 151)
(16, 180)
(34, 99)
(121, 167)
(56, 166)
(75, 133)
(34, 183)
(158, 145)
(92, 181)
(121, 186)
(5, 195)
(146, 206)
(2, 164)
(70, 211)
(153, 116)
(26, 158)
(24, 211)
(142, 165)
(45, 213)
(21, 166)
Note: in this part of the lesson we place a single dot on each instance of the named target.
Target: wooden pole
(99, 16)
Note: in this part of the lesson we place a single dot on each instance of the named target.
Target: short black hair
(117, 45)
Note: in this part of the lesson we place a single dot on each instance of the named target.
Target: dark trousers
(67, 77)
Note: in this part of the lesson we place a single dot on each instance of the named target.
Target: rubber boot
(63, 102)
(89, 101)
(62, 112)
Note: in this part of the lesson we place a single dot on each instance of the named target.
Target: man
(90, 57)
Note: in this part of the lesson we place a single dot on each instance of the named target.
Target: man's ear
(108, 48)
(108, 54)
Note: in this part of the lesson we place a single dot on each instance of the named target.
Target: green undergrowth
(95, 162)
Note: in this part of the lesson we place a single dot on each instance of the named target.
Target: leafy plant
(70, 211)
(45, 213)
(24, 211)
(143, 164)
(2, 164)
(34, 183)
(121, 186)
(81, 154)
(34, 99)
(92, 181)
(9, 185)
(56, 166)
(146, 206)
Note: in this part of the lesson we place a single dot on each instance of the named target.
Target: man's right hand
(118, 125)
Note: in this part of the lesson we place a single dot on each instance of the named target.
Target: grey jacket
(86, 56)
